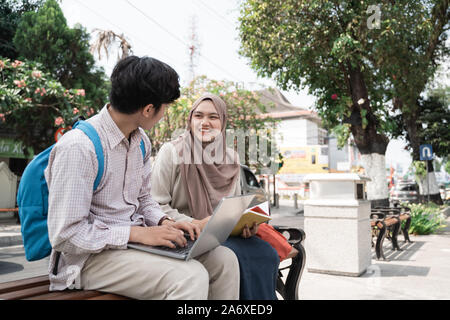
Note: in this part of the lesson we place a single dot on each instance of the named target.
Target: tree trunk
(370, 143)
(377, 190)
(429, 187)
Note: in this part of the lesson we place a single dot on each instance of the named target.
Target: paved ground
(420, 271)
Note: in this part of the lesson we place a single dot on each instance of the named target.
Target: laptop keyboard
(180, 250)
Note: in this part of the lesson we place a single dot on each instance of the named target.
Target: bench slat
(49, 295)
(23, 284)
(9, 210)
(109, 296)
(66, 295)
(36, 288)
(75, 295)
(25, 293)
(390, 221)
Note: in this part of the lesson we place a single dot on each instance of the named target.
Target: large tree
(44, 37)
(11, 12)
(432, 127)
(414, 57)
(343, 52)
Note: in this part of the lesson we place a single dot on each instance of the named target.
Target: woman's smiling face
(205, 122)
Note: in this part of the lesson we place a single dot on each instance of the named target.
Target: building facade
(305, 145)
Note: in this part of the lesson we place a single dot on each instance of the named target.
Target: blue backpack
(32, 196)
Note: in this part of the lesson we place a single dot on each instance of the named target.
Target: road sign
(59, 133)
(426, 152)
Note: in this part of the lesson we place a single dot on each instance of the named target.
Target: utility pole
(193, 48)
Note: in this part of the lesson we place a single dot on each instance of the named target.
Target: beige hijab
(213, 177)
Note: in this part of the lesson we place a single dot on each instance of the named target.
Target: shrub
(425, 218)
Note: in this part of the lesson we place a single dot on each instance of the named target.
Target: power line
(124, 32)
(157, 23)
(228, 23)
(181, 40)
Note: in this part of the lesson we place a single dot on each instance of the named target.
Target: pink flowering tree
(33, 105)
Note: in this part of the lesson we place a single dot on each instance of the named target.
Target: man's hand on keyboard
(164, 235)
(192, 229)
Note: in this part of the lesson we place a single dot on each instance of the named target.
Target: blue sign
(426, 152)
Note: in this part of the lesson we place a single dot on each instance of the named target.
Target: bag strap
(90, 131)
(143, 149)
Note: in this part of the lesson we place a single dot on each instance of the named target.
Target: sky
(161, 29)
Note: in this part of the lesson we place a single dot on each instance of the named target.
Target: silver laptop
(216, 231)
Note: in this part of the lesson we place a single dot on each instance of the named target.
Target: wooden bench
(386, 222)
(9, 210)
(15, 210)
(37, 288)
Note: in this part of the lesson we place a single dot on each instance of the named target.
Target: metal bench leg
(395, 231)
(295, 273)
(405, 230)
(379, 244)
(281, 289)
(289, 289)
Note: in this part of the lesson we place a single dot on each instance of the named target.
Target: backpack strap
(90, 131)
(143, 149)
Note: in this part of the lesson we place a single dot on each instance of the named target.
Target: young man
(89, 230)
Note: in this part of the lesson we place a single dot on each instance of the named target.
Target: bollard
(295, 201)
(277, 200)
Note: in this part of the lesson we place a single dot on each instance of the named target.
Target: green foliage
(342, 132)
(435, 122)
(419, 169)
(314, 44)
(11, 12)
(320, 44)
(425, 219)
(44, 37)
(33, 105)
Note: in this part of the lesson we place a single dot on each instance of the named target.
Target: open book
(258, 214)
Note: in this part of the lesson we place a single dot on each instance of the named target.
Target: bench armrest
(295, 235)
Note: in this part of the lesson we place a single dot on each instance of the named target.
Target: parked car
(404, 192)
(250, 185)
(444, 189)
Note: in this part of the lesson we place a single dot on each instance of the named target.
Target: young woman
(190, 176)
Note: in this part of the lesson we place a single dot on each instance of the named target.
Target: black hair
(137, 82)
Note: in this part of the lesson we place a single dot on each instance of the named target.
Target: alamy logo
(374, 21)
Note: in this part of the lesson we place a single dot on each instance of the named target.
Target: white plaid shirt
(82, 221)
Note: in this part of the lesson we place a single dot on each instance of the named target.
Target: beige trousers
(141, 275)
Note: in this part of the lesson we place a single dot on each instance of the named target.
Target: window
(322, 136)
(359, 191)
(407, 187)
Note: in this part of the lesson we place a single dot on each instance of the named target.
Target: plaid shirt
(82, 221)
